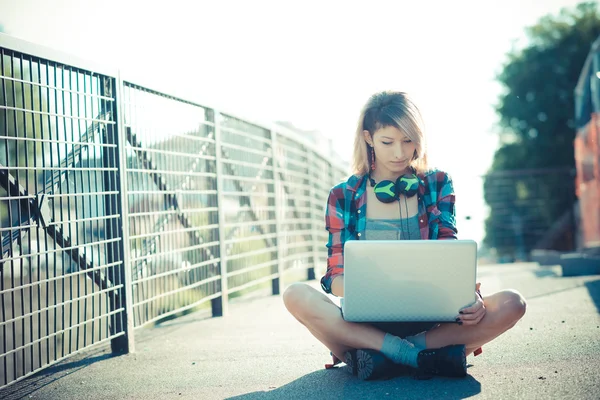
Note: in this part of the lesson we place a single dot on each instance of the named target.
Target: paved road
(260, 352)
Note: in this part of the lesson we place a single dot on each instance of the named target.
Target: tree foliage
(537, 120)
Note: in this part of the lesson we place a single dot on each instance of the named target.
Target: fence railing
(121, 205)
(529, 209)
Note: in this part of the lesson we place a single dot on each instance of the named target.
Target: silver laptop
(408, 280)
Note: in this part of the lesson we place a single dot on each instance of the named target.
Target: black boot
(448, 361)
(369, 364)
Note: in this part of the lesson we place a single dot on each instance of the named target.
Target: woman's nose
(398, 150)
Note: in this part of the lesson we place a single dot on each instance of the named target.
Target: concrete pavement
(261, 352)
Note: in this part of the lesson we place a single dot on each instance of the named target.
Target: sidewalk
(261, 352)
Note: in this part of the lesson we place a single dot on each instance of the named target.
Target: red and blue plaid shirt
(345, 216)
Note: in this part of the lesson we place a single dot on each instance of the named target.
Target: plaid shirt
(345, 216)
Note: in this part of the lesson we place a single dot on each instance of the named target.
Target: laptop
(408, 280)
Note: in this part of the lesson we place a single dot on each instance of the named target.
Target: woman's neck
(380, 176)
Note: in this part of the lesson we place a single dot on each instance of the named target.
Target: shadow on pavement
(182, 319)
(27, 387)
(593, 288)
(545, 272)
(338, 384)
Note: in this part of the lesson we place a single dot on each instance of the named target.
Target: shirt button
(359, 211)
(421, 220)
(359, 234)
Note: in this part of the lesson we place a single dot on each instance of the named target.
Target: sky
(313, 63)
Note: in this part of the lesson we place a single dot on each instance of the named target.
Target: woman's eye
(408, 141)
(386, 143)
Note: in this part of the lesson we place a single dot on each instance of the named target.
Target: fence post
(313, 234)
(220, 305)
(120, 274)
(277, 283)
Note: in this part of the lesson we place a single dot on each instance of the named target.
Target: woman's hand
(474, 313)
(337, 286)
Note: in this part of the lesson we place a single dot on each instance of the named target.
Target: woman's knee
(296, 296)
(513, 306)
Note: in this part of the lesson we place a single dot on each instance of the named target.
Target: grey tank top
(393, 229)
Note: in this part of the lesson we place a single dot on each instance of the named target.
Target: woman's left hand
(474, 313)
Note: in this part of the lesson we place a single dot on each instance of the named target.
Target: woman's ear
(368, 137)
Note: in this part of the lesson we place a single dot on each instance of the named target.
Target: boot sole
(463, 357)
(351, 366)
(461, 371)
(372, 365)
(369, 365)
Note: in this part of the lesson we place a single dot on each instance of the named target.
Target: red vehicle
(587, 150)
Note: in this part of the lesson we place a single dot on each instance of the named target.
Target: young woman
(390, 146)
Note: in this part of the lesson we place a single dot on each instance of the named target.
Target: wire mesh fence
(248, 196)
(120, 206)
(529, 210)
(59, 213)
(296, 217)
(172, 206)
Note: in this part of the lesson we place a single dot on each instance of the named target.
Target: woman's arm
(334, 223)
(446, 219)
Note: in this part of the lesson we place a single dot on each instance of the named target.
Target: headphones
(389, 191)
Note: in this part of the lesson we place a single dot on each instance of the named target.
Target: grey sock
(400, 351)
(418, 340)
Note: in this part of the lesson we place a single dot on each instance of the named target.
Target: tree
(537, 119)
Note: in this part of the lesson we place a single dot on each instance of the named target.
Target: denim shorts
(400, 329)
(404, 329)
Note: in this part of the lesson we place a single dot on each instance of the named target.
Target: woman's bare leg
(503, 310)
(323, 319)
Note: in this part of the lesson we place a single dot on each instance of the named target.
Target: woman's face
(394, 151)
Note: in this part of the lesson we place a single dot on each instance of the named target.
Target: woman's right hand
(337, 286)
(474, 313)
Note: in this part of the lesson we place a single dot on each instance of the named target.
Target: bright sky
(313, 63)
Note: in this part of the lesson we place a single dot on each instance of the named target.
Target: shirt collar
(354, 182)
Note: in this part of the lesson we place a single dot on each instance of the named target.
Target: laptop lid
(408, 280)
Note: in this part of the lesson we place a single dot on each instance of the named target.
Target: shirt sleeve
(334, 223)
(446, 219)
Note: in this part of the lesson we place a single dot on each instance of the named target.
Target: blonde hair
(389, 109)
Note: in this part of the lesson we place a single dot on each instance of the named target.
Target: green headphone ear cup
(386, 191)
(407, 185)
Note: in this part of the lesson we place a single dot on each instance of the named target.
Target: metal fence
(529, 209)
(120, 206)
